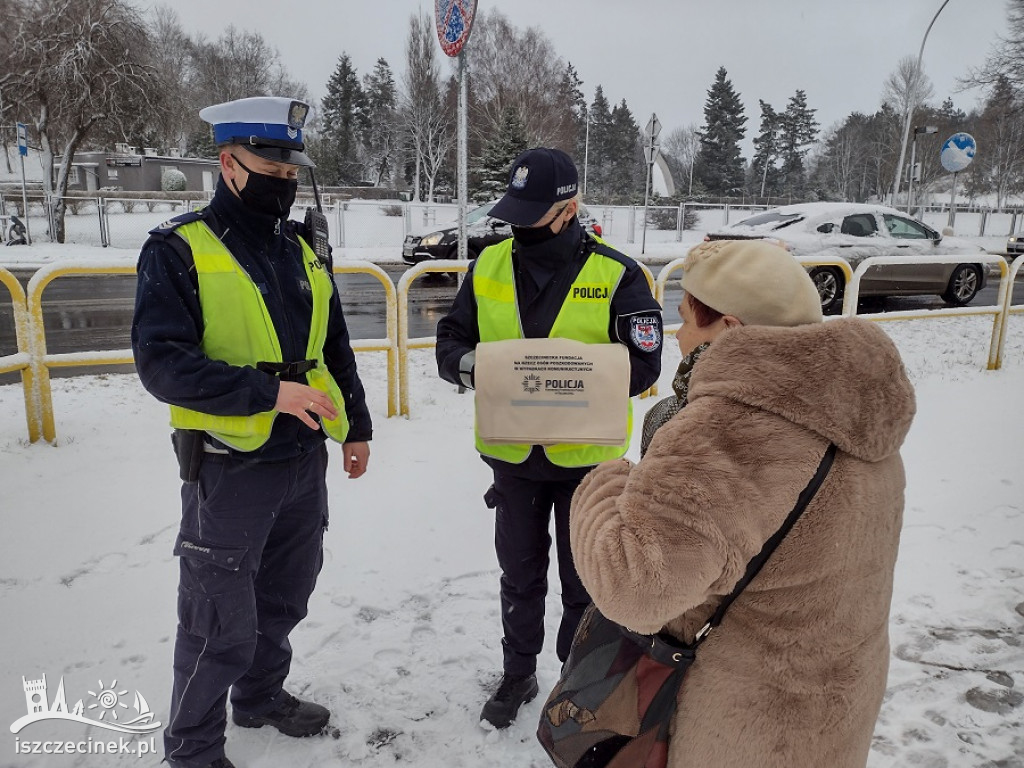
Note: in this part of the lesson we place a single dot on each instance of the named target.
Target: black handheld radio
(316, 226)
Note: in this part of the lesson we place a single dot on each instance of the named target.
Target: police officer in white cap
(239, 329)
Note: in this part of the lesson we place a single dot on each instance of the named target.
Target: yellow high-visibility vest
(584, 316)
(238, 330)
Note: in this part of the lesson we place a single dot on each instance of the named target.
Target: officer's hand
(357, 456)
(300, 400)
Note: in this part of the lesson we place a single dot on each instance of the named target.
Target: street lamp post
(586, 154)
(918, 130)
(764, 173)
(910, 108)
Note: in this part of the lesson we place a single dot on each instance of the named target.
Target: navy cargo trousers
(250, 549)
(522, 540)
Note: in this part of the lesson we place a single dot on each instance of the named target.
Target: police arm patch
(645, 332)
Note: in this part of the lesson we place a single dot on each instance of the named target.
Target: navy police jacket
(544, 274)
(168, 326)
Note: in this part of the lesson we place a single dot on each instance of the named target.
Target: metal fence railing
(35, 362)
(21, 361)
(999, 310)
(124, 222)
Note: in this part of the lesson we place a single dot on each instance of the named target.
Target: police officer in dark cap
(522, 288)
(239, 328)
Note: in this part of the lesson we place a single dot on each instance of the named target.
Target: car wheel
(963, 285)
(830, 284)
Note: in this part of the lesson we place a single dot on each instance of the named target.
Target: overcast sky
(660, 55)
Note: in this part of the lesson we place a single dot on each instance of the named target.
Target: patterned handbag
(614, 702)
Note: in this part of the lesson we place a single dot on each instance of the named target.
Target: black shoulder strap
(167, 232)
(754, 566)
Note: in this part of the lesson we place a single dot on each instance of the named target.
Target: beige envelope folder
(547, 391)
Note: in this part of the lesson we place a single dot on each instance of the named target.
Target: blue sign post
(957, 154)
(23, 152)
(22, 139)
(958, 151)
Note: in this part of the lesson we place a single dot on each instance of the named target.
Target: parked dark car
(1015, 244)
(854, 232)
(441, 241)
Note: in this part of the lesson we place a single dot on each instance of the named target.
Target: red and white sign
(454, 21)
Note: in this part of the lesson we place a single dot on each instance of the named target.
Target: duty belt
(288, 371)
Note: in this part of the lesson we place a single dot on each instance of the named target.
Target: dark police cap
(539, 178)
(268, 126)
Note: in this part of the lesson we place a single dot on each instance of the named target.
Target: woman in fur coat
(795, 674)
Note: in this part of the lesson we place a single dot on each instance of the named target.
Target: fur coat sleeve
(656, 540)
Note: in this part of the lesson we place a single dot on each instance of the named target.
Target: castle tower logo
(106, 707)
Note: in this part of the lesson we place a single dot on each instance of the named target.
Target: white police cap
(268, 126)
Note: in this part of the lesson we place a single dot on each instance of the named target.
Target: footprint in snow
(1000, 701)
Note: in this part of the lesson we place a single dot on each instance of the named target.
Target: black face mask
(529, 236)
(271, 195)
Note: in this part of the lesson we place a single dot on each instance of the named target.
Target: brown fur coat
(794, 676)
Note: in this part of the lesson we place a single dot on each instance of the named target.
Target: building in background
(127, 170)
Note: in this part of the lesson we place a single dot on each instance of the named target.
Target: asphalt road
(95, 312)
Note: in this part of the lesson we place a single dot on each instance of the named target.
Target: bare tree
(240, 64)
(518, 69)
(907, 87)
(1000, 167)
(77, 64)
(905, 90)
(1006, 60)
(427, 122)
(172, 63)
(838, 164)
(236, 65)
(6, 74)
(682, 146)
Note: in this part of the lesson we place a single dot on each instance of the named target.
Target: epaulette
(593, 246)
(181, 219)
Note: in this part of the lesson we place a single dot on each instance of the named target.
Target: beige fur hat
(754, 281)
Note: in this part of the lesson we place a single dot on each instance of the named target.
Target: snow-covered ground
(402, 639)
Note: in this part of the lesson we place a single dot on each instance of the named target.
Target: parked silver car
(856, 231)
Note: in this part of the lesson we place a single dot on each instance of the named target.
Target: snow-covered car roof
(796, 228)
(811, 214)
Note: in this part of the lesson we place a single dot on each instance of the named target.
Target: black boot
(291, 716)
(513, 691)
(220, 762)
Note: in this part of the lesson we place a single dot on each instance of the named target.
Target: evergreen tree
(951, 116)
(495, 162)
(342, 124)
(597, 170)
(798, 131)
(380, 127)
(766, 150)
(627, 172)
(719, 166)
(571, 94)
